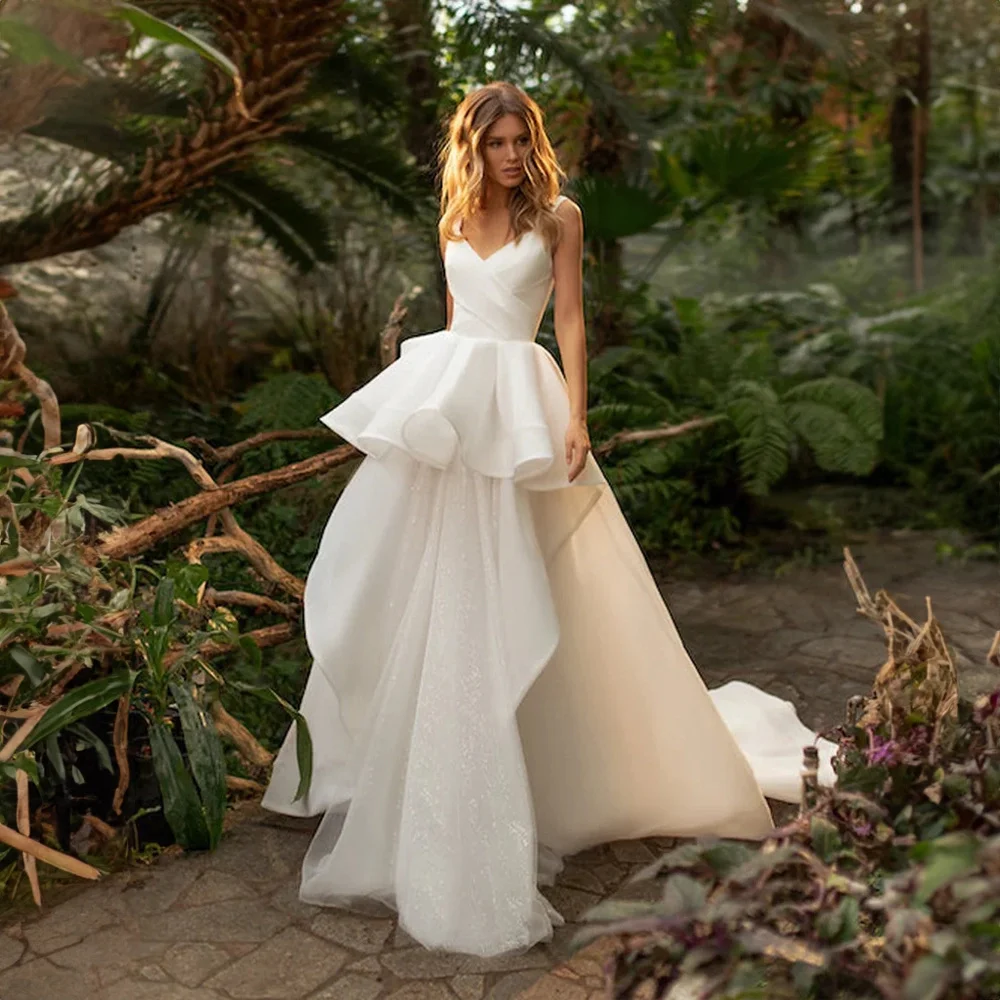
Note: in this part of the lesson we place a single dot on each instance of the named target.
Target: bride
(497, 682)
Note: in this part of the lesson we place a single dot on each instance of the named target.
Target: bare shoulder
(568, 210)
(571, 224)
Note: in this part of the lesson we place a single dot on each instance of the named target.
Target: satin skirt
(497, 683)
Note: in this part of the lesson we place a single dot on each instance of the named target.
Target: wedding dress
(497, 682)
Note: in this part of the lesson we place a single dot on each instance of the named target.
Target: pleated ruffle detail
(498, 407)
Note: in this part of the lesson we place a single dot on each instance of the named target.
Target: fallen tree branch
(655, 433)
(57, 859)
(215, 598)
(271, 635)
(230, 452)
(133, 539)
(245, 785)
(230, 728)
(241, 541)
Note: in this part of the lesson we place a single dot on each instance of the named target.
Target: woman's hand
(577, 446)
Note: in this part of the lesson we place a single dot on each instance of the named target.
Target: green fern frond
(834, 439)
(857, 401)
(840, 420)
(291, 400)
(765, 438)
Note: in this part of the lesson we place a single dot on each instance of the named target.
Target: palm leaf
(366, 161)
(742, 160)
(615, 209)
(162, 31)
(293, 225)
(360, 71)
(816, 26)
(679, 17)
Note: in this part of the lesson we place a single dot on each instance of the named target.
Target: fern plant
(839, 420)
(698, 490)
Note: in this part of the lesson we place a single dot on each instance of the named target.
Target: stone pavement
(229, 926)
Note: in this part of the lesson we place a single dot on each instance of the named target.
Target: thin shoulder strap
(559, 201)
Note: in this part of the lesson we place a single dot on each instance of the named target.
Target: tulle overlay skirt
(497, 683)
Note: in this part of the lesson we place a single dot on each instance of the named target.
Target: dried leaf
(771, 945)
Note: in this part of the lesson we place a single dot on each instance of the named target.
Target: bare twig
(259, 557)
(55, 858)
(21, 566)
(120, 742)
(24, 825)
(231, 452)
(158, 449)
(272, 635)
(216, 598)
(392, 331)
(654, 433)
(12, 347)
(245, 785)
(913, 651)
(12, 354)
(22, 733)
(232, 729)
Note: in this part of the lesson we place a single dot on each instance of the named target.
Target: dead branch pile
(212, 504)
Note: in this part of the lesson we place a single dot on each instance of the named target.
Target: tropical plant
(163, 134)
(85, 627)
(885, 885)
(697, 415)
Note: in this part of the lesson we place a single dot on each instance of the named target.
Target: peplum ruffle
(499, 407)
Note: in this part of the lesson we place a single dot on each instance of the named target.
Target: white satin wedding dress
(497, 682)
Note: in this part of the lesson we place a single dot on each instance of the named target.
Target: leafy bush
(106, 666)
(886, 885)
(755, 423)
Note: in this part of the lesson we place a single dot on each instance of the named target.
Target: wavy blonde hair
(463, 173)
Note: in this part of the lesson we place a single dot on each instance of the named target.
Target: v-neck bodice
(502, 296)
(481, 393)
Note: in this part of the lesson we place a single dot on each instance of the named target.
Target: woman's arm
(571, 332)
(449, 301)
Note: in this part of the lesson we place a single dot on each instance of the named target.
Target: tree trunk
(921, 127)
(911, 56)
(609, 321)
(416, 48)
(607, 146)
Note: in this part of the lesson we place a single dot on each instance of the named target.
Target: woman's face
(505, 146)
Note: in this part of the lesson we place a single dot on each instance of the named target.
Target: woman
(497, 682)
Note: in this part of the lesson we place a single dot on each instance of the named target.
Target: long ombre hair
(463, 174)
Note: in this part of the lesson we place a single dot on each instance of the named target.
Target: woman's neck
(496, 197)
